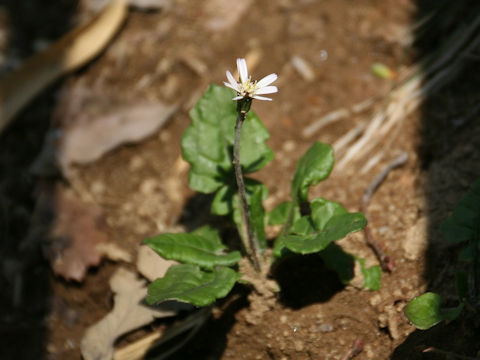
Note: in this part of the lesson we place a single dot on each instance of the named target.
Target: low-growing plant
(225, 141)
(462, 227)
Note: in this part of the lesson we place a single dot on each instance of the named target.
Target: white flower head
(247, 88)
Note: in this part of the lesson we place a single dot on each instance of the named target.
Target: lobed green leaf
(372, 276)
(312, 168)
(188, 283)
(207, 143)
(425, 311)
(337, 227)
(205, 250)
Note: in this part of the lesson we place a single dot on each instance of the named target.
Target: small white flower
(247, 88)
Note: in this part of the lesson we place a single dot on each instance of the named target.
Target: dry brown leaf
(90, 136)
(129, 313)
(75, 230)
(151, 265)
(223, 14)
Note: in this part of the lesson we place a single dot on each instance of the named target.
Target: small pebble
(299, 346)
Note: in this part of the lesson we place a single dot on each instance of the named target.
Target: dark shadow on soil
(450, 153)
(24, 274)
(311, 282)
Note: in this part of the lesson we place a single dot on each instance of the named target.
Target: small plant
(225, 141)
(462, 227)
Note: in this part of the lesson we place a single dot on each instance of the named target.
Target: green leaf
(257, 213)
(336, 228)
(256, 193)
(207, 143)
(193, 249)
(425, 311)
(339, 261)
(465, 219)
(188, 283)
(323, 210)
(372, 276)
(222, 203)
(312, 168)
(279, 214)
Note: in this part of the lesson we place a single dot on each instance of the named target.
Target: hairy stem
(251, 246)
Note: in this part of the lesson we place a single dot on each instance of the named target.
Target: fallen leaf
(223, 14)
(151, 265)
(90, 123)
(129, 313)
(75, 229)
(91, 136)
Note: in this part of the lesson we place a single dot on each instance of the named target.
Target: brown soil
(157, 56)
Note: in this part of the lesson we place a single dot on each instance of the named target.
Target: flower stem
(251, 246)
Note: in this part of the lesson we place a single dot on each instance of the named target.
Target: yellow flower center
(249, 87)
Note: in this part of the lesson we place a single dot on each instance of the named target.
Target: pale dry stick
(336, 115)
(386, 262)
(406, 97)
(67, 54)
(372, 162)
(382, 122)
(343, 141)
(449, 354)
(357, 348)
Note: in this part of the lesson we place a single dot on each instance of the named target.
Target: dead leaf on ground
(223, 14)
(89, 124)
(78, 236)
(151, 265)
(129, 313)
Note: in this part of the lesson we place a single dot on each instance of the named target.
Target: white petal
(238, 97)
(230, 78)
(231, 86)
(266, 90)
(261, 98)
(242, 70)
(267, 80)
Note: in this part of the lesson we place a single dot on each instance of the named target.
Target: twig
(385, 261)
(251, 246)
(336, 115)
(447, 353)
(356, 348)
(348, 137)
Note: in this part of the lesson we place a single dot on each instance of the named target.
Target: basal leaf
(336, 228)
(323, 210)
(222, 203)
(257, 213)
(372, 276)
(279, 214)
(256, 193)
(192, 249)
(465, 219)
(188, 283)
(425, 311)
(339, 261)
(223, 200)
(312, 168)
(207, 143)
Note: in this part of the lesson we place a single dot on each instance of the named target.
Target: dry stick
(447, 353)
(385, 261)
(336, 115)
(251, 247)
(357, 348)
